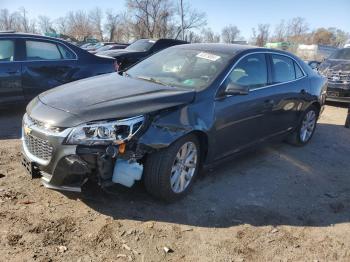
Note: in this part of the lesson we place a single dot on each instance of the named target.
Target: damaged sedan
(183, 109)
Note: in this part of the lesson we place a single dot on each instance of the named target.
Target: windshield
(181, 67)
(141, 45)
(341, 54)
(104, 48)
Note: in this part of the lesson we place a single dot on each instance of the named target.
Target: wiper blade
(153, 80)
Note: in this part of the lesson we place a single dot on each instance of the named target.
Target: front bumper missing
(71, 166)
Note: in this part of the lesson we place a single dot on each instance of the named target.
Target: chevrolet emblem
(27, 130)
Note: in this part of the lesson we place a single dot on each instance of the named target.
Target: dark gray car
(185, 107)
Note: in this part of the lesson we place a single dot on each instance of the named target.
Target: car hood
(336, 65)
(110, 96)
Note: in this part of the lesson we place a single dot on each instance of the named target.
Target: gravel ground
(280, 203)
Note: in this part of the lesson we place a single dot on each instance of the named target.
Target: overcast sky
(245, 14)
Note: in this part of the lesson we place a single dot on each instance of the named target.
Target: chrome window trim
(267, 86)
(42, 60)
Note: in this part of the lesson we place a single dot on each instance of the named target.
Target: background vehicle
(313, 64)
(139, 50)
(93, 48)
(337, 69)
(183, 107)
(109, 47)
(31, 64)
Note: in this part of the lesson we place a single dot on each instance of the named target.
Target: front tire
(306, 127)
(169, 173)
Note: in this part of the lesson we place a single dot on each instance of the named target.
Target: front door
(240, 118)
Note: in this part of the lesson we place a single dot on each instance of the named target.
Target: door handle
(303, 91)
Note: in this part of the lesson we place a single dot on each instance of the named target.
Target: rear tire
(165, 167)
(306, 127)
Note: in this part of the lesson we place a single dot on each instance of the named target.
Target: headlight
(105, 132)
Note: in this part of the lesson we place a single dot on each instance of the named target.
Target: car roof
(230, 49)
(11, 34)
(218, 47)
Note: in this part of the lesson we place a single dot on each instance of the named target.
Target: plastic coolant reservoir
(126, 173)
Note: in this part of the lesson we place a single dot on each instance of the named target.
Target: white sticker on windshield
(208, 56)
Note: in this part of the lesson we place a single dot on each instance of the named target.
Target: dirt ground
(280, 203)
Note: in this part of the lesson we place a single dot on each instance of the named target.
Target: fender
(169, 126)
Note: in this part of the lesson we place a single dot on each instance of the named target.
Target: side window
(7, 50)
(37, 50)
(66, 54)
(283, 68)
(298, 72)
(251, 72)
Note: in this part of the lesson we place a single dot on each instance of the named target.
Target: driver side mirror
(233, 89)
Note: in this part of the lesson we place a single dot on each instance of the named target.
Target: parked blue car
(31, 64)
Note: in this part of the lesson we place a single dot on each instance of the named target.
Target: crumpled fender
(169, 126)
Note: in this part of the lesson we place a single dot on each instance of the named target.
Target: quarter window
(7, 50)
(37, 50)
(283, 68)
(298, 72)
(250, 72)
(66, 54)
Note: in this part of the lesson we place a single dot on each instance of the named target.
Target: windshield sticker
(208, 56)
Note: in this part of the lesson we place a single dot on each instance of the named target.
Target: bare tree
(297, 30)
(280, 32)
(261, 34)
(79, 24)
(24, 19)
(322, 36)
(340, 37)
(229, 34)
(8, 21)
(111, 24)
(62, 25)
(190, 19)
(45, 24)
(95, 17)
(151, 18)
(208, 36)
(192, 37)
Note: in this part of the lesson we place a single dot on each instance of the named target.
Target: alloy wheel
(184, 167)
(308, 126)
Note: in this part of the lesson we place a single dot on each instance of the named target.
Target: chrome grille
(338, 76)
(38, 147)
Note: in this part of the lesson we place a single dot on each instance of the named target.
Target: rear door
(46, 64)
(286, 95)
(10, 72)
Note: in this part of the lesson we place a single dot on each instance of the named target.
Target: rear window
(7, 50)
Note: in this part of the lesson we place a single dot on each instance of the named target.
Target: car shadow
(276, 185)
(11, 121)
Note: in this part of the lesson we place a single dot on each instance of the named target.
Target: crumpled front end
(64, 166)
